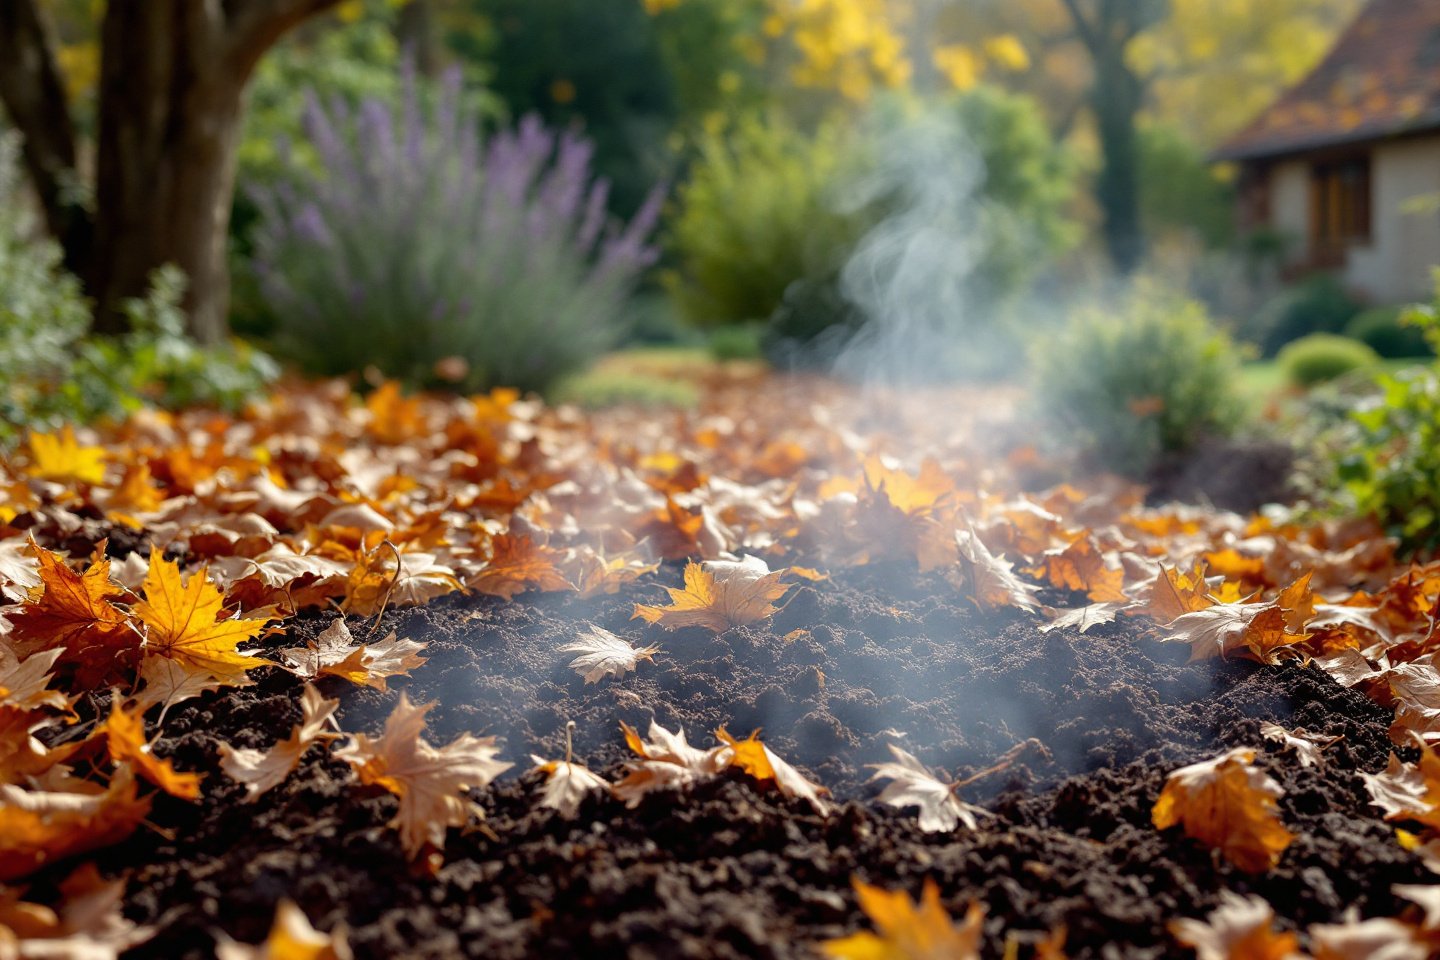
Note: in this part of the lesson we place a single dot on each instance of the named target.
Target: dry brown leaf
(38, 827)
(1308, 746)
(25, 685)
(906, 930)
(1229, 805)
(335, 653)
(567, 783)
(1377, 939)
(1174, 593)
(912, 785)
(1082, 618)
(989, 579)
(602, 654)
(89, 924)
(518, 564)
(263, 770)
(427, 779)
(77, 612)
(1241, 928)
(667, 761)
(375, 581)
(718, 595)
(1267, 632)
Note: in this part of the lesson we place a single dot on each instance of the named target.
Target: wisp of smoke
(911, 276)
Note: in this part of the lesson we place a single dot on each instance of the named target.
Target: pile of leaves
(168, 558)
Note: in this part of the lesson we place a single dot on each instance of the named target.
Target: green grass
(1263, 381)
(657, 376)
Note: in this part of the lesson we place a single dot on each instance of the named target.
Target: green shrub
(1131, 385)
(760, 211)
(743, 342)
(1386, 332)
(1390, 467)
(1317, 305)
(1181, 190)
(1320, 357)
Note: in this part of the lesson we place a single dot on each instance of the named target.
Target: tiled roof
(1381, 79)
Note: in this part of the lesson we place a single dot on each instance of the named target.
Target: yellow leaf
(62, 459)
(905, 930)
(719, 595)
(184, 622)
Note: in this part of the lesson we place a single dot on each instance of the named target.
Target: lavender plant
(421, 242)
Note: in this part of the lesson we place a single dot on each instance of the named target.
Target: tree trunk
(1117, 105)
(170, 111)
(34, 95)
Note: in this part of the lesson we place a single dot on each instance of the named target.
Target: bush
(1318, 305)
(1390, 468)
(420, 243)
(1383, 329)
(1321, 357)
(52, 372)
(1180, 189)
(1130, 386)
(760, 211)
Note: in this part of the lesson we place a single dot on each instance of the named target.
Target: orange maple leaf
(718, 595)
(1081, 568)
(76, 611)
(125, 739)
(184, 623)
(1227, 804)
(760, 762)
(1175, 592)
(906, 930)
(517, 564)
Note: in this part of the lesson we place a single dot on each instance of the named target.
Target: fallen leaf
(1266, 632)
(718, 595)
(1308, 747)
(667, 761)
(263, 770)
(76, 612)
(378, 579)
(39, 827)
(1241, 928)
(762, 763)
(1229, 805)
(61, 458)
(1082, 618)
(518, 564)
(906, 930)
(567, 783)
(989, 579)
(125, 739)
(1081, 568)
(184, 621)
(1174, 593)
(1376, 939)
(25, 684)
(89, 924)
(427, 779)
(602, 654)
(291, 938)
(335, 653)
(912, 785)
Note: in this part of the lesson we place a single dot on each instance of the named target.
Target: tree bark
(1117, 188)
(172, 84)
(33, 92)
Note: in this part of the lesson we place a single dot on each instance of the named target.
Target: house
(1345, 166)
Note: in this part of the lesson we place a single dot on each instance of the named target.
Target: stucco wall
(1395, 266)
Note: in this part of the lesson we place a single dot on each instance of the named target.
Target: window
(1340, 204)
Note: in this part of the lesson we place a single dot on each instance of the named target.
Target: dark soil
(730, 868)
